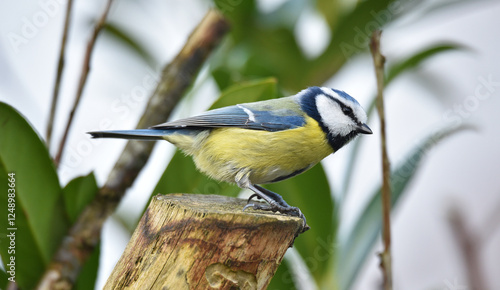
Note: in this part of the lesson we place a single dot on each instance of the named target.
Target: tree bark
(187, 241)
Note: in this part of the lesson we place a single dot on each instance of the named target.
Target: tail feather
(140, 134)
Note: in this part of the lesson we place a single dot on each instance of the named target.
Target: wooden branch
(83, 79)
(176, 78)
(379, 61)
(60, 68)
(188, 241)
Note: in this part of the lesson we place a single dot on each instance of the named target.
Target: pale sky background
(462, 171)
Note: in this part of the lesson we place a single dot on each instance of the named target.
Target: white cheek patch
(333, 117)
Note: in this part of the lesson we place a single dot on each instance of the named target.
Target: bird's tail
(140, 134)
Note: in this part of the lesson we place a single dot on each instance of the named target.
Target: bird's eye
(347, 110)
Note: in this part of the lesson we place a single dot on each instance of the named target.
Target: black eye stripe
(345, 109)
(348, 112)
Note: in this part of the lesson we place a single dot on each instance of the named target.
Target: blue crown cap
(346, 96)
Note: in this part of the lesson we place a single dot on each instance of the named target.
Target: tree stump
(187, 241)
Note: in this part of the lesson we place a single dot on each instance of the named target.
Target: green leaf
(355, 28)
(393, 72)
(275, 52)
(416, 59)
(240, 14)
(40, 219)
(222, 77)
(350, 36)
(282, 279)
(3, 280)
(125, 38)
(330, 10)
(88, 275)
(286, 15)
(28, 264)
(247, 92)
(410, 63)
(78, 193)
(181, 175)
(310, 192)
(264, 43)
(439, 6)
(361, 239)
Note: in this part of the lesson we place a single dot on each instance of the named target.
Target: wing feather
(255, 116)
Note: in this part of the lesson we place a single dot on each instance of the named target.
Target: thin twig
(469, 244)
(83, 78)
(60, 68)
(175, 80)
(378, 61)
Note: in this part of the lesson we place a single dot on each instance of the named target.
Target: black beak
(364, 129)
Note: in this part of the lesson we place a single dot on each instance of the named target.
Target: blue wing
(256, 116)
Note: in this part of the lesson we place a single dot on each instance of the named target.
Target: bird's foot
(288, 210)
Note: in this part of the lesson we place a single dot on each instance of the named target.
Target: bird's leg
(276, 197)
(272, 195)
(243, 181)
(275, 201)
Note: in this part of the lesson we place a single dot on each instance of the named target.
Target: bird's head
(340, 116)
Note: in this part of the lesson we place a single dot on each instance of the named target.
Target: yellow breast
(268, 155)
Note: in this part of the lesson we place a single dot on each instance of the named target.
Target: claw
(252, 196)
(248, 206)
(257, 206)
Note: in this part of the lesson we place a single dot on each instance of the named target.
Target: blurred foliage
(392, 72)
(260, 59)
(88, 275)
(265, 44)
(282, 279)
(78, 193)
(43, 210)
(311, 192)
(39, 220)
(360, 240)
(128, 41)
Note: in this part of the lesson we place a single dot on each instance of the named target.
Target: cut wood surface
(188, 241)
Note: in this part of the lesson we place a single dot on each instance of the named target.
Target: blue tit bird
(263, 142)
